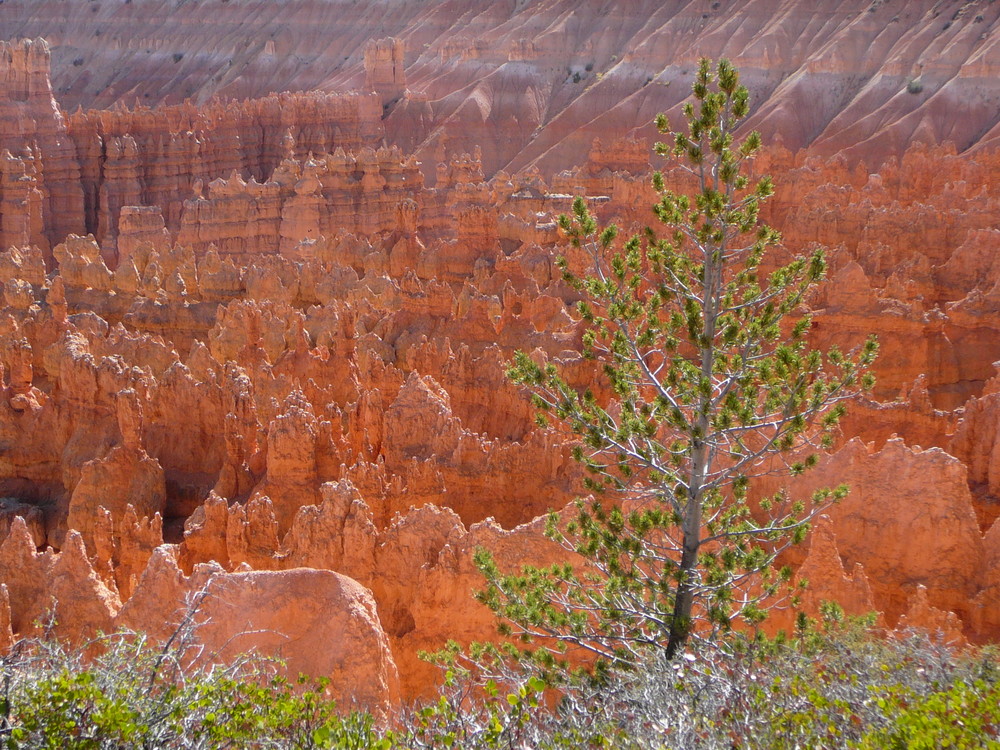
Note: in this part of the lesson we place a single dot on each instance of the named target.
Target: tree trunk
(680, 619)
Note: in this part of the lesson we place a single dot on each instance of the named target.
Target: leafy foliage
(121, 691)
(840, 685)
(131, 695)
(963, 716)
(712, 383)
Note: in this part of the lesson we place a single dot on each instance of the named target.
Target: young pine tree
(713, 384)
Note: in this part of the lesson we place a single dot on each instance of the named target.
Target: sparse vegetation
(836, 685)
(840, 685)
(914, 86)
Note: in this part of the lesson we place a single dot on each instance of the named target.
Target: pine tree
(713, 383)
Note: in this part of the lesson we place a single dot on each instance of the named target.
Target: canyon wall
(536, 82)
(254, 350)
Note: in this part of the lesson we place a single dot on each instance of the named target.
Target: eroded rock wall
(257, 348)
(536, 82)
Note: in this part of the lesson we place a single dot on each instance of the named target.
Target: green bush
(963, 716)
(131, 695)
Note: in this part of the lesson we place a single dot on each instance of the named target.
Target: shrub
(132, 695)
(843, 686)
(963, 716)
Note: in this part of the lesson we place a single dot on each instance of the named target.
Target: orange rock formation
(256, 348)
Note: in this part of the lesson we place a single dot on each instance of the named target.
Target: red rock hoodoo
(254, 343)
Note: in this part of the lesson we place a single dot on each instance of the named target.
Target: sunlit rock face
(255, 344)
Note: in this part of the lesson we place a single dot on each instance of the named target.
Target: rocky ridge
(534, 83)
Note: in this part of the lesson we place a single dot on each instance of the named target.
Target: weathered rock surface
(319, 622)
(535, 83)
(257, 347)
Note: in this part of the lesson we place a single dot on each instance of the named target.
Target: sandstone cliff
(257, 348)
